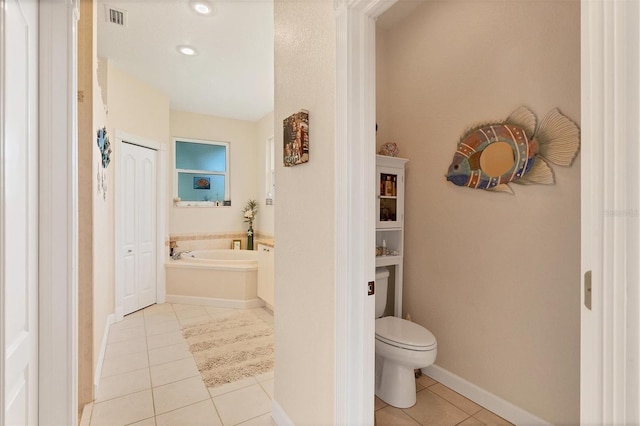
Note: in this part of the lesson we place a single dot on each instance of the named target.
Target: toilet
(401, 346)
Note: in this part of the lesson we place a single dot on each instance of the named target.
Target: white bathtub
(221, 278)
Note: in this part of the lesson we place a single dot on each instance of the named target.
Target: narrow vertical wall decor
(105, 153)
(296, 139)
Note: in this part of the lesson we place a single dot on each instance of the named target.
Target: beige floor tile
(268, 387)
(127, 323)
(126, 347)
(158, 309)
(160, 317)
(179, 394)
(425, 381)
(186, 322)
(119, 335)
(164, 339)
(169, 353)
(124, 410)
(151, 421)
(173, 371)
(184, 307)
(471, 421)
(159, 314)
(193, 311)
(455, 398)
(136, 314)
(392, 416)
(264, 420)
(378, 403)
(85, 419)
(124, 363)
(242, 405)
(230, 387)
(264, 376)
(430, 409)
(199, 414)
(123, 384)
(160, 327)
(489, 418)
(218, 311)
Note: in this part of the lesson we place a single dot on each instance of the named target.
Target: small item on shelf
(388, 189)
(384, 248)
(390, 149)
(394, 187)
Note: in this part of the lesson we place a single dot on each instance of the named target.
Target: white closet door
(18, 213)
(138, 248)
(146, 233)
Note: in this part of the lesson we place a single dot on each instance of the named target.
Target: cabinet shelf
(388, 260)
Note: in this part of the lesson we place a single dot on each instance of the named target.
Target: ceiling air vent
(116, 16)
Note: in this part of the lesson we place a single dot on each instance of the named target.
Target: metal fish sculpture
(491, 155)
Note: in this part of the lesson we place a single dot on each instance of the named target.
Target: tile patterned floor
(149, 378)
(436, 405)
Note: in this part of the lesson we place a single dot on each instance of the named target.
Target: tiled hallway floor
(149, 377)
(436, 405)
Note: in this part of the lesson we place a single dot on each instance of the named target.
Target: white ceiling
(232, 75)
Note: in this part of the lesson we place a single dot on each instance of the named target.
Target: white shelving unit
(390, 218)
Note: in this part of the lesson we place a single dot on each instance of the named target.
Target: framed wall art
(201, 182)
(296, 139)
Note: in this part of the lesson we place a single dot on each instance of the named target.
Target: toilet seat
(404, 334)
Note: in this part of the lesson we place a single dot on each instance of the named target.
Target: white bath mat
(231, 347)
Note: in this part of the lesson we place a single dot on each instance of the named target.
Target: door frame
(610, 341)
(355, 188)
(58, 211)
(161, 253)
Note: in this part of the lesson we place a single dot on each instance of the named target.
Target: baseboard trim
(491, 402)
(103, 348)
(216, 303)
(278, 415)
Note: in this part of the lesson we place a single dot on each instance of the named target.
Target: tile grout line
(153, 400)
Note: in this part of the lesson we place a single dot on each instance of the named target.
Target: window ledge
(197, 204)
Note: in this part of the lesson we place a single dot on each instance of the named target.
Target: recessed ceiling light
(187, 50)
(202, 7)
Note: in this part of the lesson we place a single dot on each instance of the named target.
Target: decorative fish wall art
(492, 155)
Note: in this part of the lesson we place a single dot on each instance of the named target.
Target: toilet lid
(404, 334)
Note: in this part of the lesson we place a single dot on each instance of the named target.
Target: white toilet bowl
(401, 346)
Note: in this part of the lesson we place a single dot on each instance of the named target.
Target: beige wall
(266, 214)
(133, 107)
(495, 277)
(244, 171)
(86, 55)
(304, 219)
(103, 224)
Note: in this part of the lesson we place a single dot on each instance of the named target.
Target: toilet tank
(382, 284)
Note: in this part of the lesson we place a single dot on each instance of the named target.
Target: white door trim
(355, 200)
(58, 209)
(161, 289)
(610, 230)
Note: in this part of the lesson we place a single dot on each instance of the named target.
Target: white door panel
(147, 226)
(138, 250)
(18, 212)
